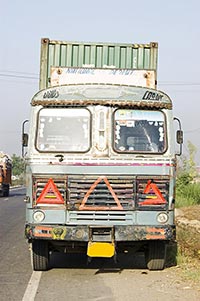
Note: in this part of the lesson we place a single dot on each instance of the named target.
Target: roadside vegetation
(188, 254)
(187, 192)
(188, 180)
(188, 201)
(18, 170)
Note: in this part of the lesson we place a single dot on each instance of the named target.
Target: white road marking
(17, 187)
(32, 286)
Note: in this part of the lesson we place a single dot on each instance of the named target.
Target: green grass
(182, 201)
(187, 195)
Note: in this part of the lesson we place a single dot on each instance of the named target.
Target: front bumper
(82, 233)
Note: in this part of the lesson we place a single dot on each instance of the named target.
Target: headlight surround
(38, 216)
(162, 218)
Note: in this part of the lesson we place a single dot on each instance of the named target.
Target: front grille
(108, 193)
(80, 217)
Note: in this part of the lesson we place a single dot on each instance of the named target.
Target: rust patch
(121, 103)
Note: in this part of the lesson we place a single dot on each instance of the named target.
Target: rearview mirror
(25, 139)
(179, 137)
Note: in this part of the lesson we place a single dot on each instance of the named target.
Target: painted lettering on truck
(152, 96)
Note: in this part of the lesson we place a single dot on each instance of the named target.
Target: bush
(18, 165)
(187, 195)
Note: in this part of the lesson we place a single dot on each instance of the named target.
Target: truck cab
(100, 169)
(101, 158)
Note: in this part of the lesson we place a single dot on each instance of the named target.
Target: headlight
(38, 216)
(162, 217)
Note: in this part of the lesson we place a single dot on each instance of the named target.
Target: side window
(139, 131)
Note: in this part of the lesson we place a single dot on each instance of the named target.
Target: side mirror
(25, 139)
(179, 137)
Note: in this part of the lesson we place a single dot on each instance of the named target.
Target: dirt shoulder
(188, 219)
(190, 213)
(188, 230)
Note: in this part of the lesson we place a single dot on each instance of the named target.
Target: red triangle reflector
(50, 194)
(157, 198)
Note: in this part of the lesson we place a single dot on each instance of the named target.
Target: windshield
(139, 131)
(66, 130)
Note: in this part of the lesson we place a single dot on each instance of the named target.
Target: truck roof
(101, 94)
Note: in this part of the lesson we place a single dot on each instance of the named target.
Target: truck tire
(40, 255)
(6, 190)
(155, 255)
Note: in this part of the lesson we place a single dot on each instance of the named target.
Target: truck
(5, 174)
(101, 154)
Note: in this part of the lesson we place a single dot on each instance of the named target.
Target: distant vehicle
(101, 155)
(5, 174)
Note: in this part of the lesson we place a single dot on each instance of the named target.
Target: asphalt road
(70, 277)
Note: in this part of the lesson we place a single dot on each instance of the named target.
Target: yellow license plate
(100, 249)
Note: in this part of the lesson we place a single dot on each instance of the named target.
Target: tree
(18, 165)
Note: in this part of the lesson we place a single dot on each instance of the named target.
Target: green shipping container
(95, 55)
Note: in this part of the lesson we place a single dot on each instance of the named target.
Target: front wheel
(155, 255)
(40, 255)
(6, 190)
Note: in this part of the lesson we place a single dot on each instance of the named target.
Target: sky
(174, 24)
